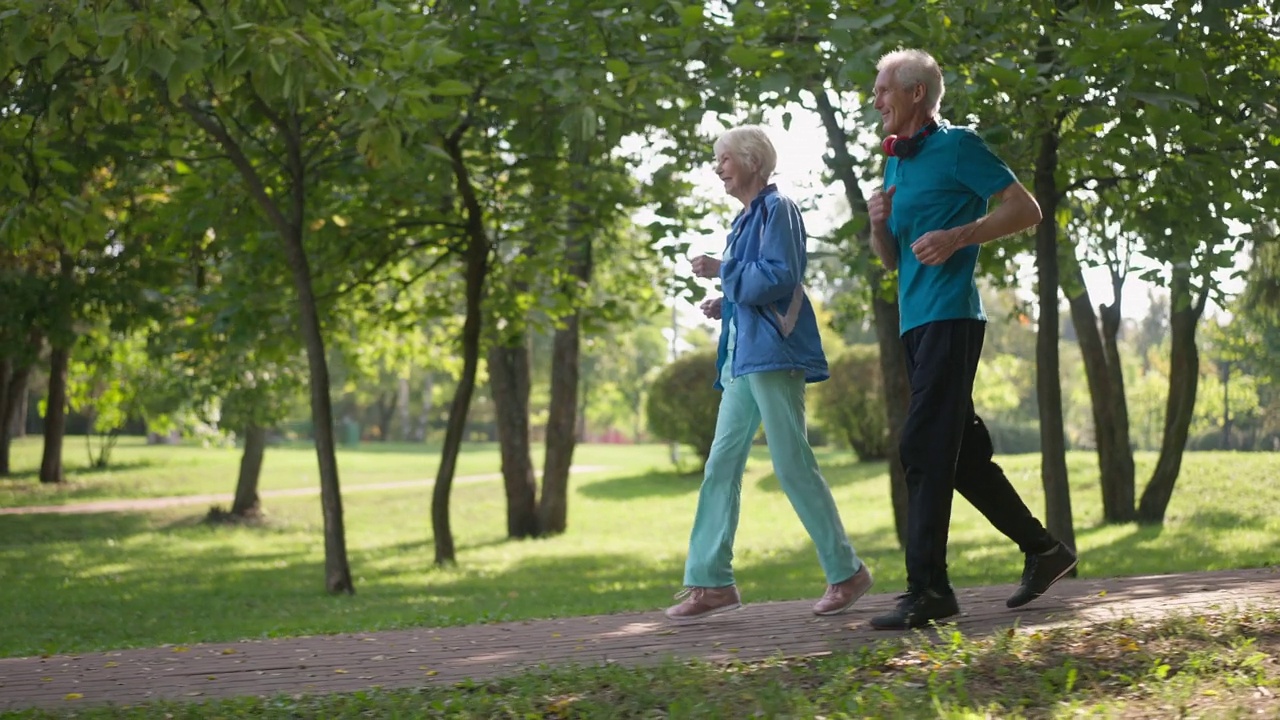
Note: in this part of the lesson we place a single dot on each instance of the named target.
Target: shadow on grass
(838, 473)
(654, 483)
(15, 480)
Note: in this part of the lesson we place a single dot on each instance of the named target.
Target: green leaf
(18, 184)
(450, 88)
(743, 56)
(114, 25)
(882, 21)
(850, 21)
(56, 58)
(160, 59)
(378, 96)
(618, 67)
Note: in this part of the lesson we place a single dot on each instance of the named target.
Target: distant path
(159, 503)
(439, 657)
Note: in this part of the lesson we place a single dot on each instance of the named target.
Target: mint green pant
(778, 399)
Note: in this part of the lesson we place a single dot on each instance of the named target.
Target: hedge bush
(683, 402)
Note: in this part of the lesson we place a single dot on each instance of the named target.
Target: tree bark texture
(1099, 349)
(895, 386)
(1053, 446)
(476, 259)
(55, 418)
(1184, 379)
(509, 384)
(247, 503)
(290, 228)
(562, 417)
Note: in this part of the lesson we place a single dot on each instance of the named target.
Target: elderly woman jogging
(769, 349)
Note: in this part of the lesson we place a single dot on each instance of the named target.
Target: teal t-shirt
(945, 185)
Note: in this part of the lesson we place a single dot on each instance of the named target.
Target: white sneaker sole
(705, 615)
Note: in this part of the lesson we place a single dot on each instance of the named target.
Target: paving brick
(404, 658)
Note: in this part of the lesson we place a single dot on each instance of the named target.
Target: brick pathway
(435, 656)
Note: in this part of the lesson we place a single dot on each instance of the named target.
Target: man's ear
(918, 93)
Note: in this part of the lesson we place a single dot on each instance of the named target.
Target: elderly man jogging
(928, 221)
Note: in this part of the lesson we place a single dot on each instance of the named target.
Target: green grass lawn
(78, 583)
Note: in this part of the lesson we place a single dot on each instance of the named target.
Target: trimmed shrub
(683, 402)
(1013, 438)
(850, 406)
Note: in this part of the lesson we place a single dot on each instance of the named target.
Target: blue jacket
(761, 277)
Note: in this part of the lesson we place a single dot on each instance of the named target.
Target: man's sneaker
(701, 602)
(1040, 572)
(916, 610)
(841, 596)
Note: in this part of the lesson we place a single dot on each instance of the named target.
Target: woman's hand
(705, 266)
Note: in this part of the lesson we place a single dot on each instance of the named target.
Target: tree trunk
(18, 428)
(424, 417)
(561, 421)
(247, 503)
(477, 269)
(290, 229)
(14, 373)
(387, 404)
(337, 569)
(897, 392)
(562, 418)
(1105, 377)
(1184, 377)
(509, 383)
(1053, 446)
(894, 384)
(1226, 404)
(405, 432)
(6, 376)
(55, 418)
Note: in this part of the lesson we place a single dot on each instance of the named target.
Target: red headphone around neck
(902, 146)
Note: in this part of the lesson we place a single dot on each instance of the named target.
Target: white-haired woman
(769, 349)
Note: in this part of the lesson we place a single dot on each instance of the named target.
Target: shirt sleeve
(775, 271)
(978, 169)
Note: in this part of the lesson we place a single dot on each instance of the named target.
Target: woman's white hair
(751, 146)
(912, 67)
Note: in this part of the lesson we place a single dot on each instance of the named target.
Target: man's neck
(918, 123)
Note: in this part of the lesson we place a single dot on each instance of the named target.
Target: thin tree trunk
(477, 269)
(14, 374)
(18, 428)
(387, 404)
(1226, 404)
(561, 439)
(247, 503)
(1184, 377)
(290, 229)
(562, 436)
(405, 432)
(509, 384)
(1105, 378)
(423, 428)
(6, 377)
(1053, 446)
(337, 569)
(895, 386)
(55, 417)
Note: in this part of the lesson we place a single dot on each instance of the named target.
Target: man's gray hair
(751, 146)
(911, 67)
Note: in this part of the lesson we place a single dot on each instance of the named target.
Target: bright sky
(799, 175)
